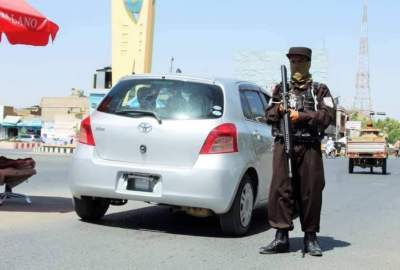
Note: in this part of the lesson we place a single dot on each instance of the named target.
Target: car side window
(255, 105)
(265, 99)
(245, 106)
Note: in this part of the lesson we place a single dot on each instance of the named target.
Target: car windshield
(165, 99)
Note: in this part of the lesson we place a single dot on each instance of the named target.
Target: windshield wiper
(147, 113)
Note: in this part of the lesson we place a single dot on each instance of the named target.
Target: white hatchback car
(28, 138)
(197, 144)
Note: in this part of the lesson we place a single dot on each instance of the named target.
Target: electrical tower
(362, 100)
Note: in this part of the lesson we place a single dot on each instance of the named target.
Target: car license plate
(139, 183)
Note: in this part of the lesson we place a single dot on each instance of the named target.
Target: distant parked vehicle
(199, 145)
(369, 150)
(28, 138)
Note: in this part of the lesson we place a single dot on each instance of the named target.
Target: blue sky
(203, 36)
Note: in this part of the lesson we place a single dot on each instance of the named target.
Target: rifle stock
(286, 124)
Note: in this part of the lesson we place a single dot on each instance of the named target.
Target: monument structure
(132, 37)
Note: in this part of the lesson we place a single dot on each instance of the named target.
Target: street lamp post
(171, 68)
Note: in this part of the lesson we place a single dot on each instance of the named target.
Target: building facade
(4, 112)
(341, 119)
(61, 116)
(263, 67)
(76, 105)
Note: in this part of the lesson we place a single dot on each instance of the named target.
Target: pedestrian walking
(312, 110)
(396, 148)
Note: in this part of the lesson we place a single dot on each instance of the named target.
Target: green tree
(391, 127)
(394, 135)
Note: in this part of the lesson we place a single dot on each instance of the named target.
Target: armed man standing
(310, 110)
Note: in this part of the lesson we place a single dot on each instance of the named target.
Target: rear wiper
(147, 113)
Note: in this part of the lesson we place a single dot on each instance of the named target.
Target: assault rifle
(285, 123)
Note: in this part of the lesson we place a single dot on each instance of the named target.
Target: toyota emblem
(145, 127)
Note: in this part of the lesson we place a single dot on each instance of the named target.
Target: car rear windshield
(168, 99)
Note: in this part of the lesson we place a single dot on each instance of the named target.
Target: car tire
(91, 208)
(384, 166)
(351, 166)
(237, 221)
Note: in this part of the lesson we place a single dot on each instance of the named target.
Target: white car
(197, 144)
(28, 138)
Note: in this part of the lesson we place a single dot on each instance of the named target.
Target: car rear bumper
(211, 183)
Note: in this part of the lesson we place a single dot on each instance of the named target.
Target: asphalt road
(360, 229)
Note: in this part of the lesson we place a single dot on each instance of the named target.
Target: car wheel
(351, 166)
(91, 208)
(237, 220)
(384, 166)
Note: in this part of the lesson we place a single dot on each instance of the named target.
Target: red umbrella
(22, 24)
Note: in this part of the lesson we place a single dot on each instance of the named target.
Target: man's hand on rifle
(294, 115)
(281, 109)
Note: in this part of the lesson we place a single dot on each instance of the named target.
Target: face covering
(300, 71)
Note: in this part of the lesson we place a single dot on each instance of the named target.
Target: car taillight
(86, 134)
(222, 139)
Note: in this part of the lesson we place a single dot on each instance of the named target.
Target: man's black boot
(279, 245)
(311, 245)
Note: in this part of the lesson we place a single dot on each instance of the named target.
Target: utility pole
(171, 68)
(362, 100)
